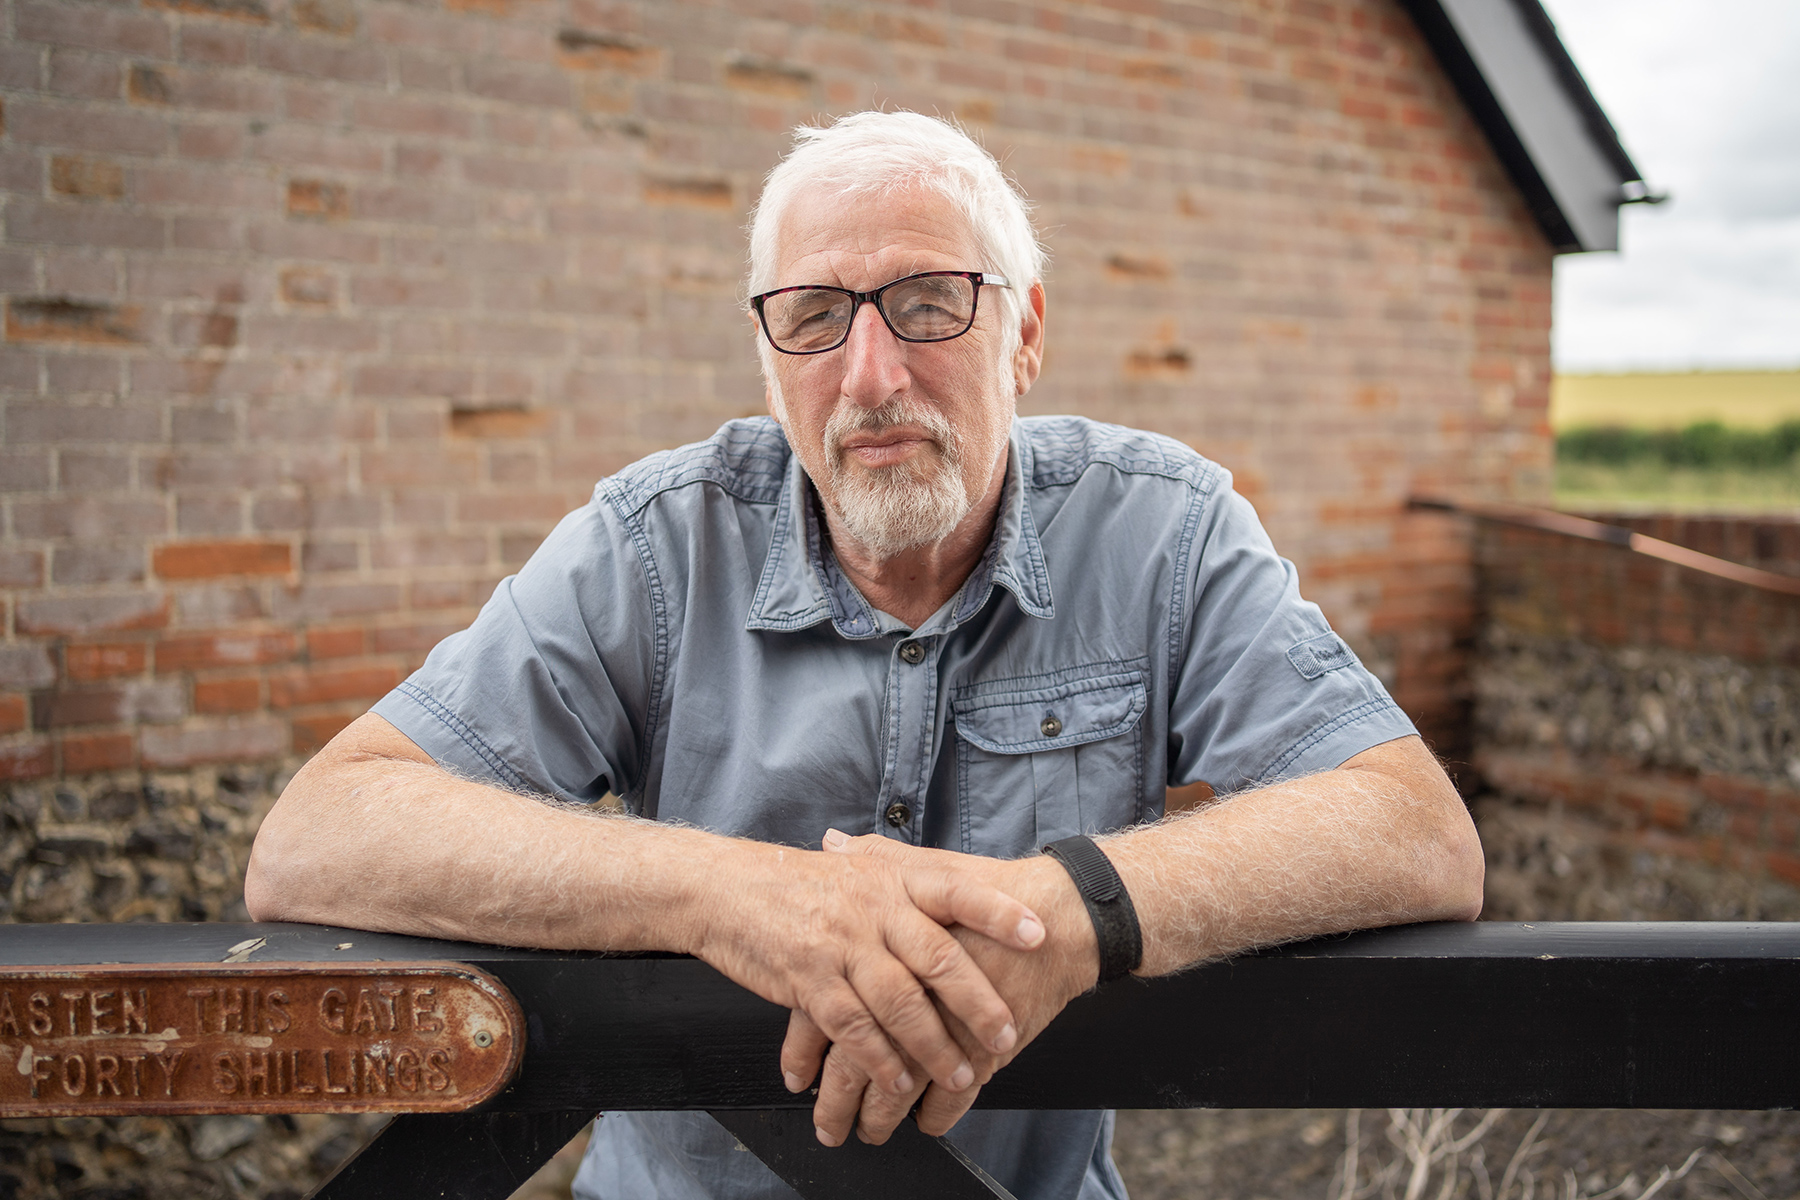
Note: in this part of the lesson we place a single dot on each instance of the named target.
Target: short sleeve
(549, 689)
(1262, 688)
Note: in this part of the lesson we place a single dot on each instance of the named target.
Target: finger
(955, 897)
(802, 1051)
(839, 1012)
(974, 904)
(941, 1109)
(842, 1085)
(939, 962)
(891, 988)
(882, 1113)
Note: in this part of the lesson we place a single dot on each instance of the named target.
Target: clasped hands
(909, 972)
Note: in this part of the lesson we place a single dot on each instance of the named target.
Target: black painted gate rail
(1672, 1015)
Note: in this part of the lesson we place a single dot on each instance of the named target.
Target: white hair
(891, 152)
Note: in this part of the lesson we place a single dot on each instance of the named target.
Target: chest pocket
(1042, 757)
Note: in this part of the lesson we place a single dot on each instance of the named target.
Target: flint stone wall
(1655, 706)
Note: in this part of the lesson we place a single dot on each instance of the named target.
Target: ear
(1028, 360)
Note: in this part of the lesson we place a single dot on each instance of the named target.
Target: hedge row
(1705, 444)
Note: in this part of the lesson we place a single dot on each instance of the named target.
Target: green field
(1720, 441)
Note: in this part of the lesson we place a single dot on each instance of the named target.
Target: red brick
(325, 59)
(305, 286)
(295, 689)
(84, 662)
(317, 198)
(239, 694)
(1785, 867)
(411, 637)
(429, 549)
(73, 73)
(78, 615)
(73, 175)
(391, 380)
(335, 643)
(540, 509)
(98, 564)
(21, 569)
(520, 83)
(132, 700)
(26, 472)
(218, 43)
(206, 560)
(326, 601)
(325, 16)
(91, 26)
(312, 732)
(25, 665)
(223, 648)
(82, 225)
(243, 740)
(433, 116)
(58, 320)
(13, 713)
(447, 465)
(75, 127)
(83, 753)
(87, 517)
(26, 760)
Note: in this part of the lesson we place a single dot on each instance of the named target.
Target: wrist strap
(1108, 904)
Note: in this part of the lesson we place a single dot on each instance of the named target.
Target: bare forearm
(1382, 840)
(384, 841)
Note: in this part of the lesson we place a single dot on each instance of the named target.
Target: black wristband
(1108, 904)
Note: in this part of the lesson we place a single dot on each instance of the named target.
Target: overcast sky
(1705, 95)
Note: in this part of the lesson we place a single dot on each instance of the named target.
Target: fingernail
(824, 1138)
(835, 839)
(963, 1077)
(1004, 1042)
(903, 1084)
(793, 1081)
(1031, 930)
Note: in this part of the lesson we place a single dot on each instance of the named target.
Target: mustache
(853, 418)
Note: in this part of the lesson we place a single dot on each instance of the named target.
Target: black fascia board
(1478, 93)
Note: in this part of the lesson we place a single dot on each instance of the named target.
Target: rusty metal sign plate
(253, 1038)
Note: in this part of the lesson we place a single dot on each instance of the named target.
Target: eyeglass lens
(930, 308)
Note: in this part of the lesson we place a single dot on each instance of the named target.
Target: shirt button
(898, 814)
(912, 652)
(1051, 727)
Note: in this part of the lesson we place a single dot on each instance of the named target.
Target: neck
(912, 585)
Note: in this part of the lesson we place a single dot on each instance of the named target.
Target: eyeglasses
(932, 306)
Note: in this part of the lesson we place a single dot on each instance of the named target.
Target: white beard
(890, 510)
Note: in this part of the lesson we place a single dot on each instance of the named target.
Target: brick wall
(319, 312)
(1659, 703)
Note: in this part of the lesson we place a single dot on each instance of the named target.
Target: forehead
(864, 240)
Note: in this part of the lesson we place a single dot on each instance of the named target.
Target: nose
(874, 361)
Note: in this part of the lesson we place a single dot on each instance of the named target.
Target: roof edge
(1549, 180)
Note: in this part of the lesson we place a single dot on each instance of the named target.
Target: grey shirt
(687, 642)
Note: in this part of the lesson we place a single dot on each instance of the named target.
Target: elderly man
(851, 669)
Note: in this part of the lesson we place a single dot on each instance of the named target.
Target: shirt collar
(801, 584)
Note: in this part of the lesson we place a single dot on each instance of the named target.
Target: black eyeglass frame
(858, 299)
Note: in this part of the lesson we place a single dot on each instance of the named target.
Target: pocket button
(1051, 727)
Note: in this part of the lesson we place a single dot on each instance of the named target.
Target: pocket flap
(1049, 717)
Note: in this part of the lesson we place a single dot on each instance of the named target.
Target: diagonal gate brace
(911, 1164)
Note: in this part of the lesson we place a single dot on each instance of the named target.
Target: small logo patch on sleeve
(1317, 655)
